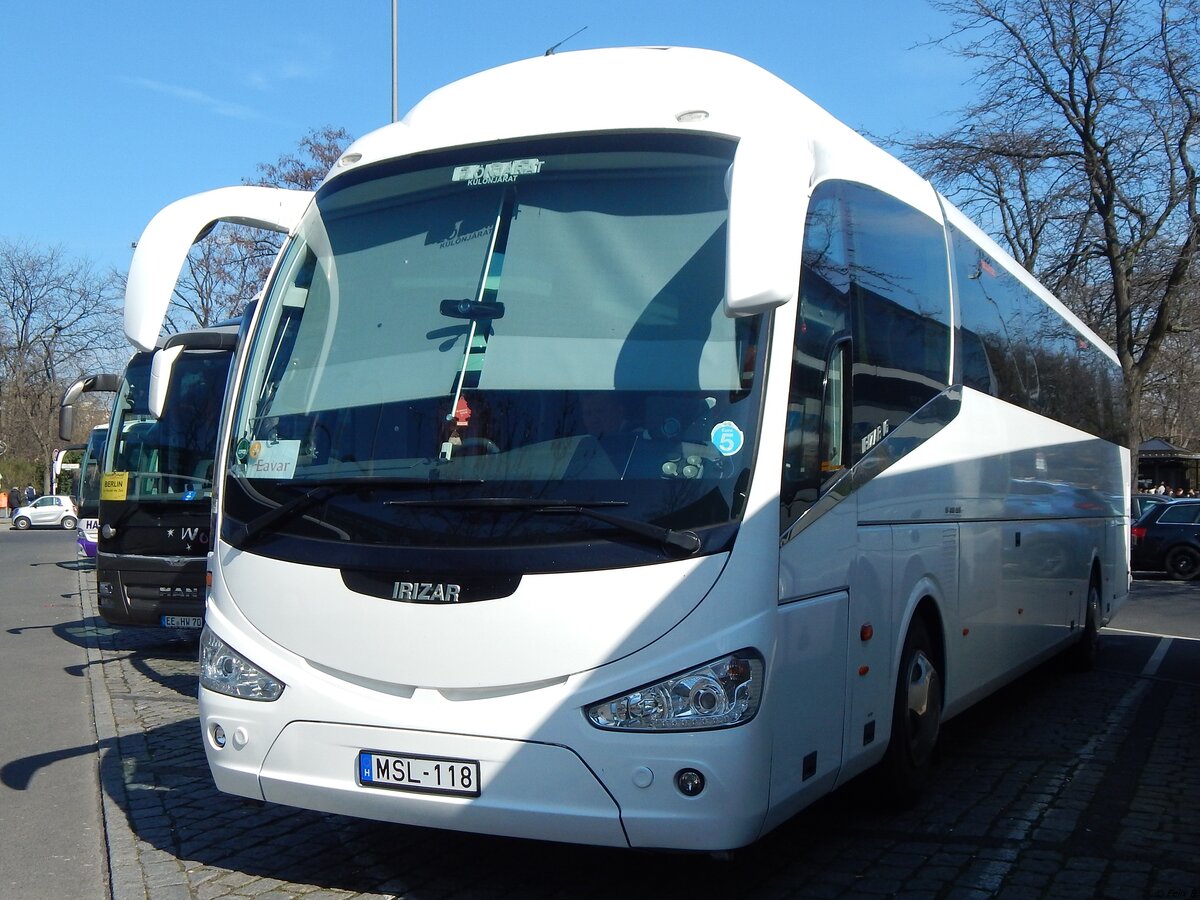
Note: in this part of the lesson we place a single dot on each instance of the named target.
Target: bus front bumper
(528, 789)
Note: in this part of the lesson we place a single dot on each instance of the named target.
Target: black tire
(68, 523)
(1082, 657)
(916, 719)
(1183, 563)
(21, 523)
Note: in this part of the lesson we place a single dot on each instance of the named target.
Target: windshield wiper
(687, 541)
(322, 490)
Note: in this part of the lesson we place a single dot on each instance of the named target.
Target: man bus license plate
(424, 774)
(182, 621)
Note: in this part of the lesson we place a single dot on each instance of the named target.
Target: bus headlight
(718, 694)
(224, 670)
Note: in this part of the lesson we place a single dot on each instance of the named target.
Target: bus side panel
(807, 706)
(1045, 570)
(975, 644)
(874, 614)
(1116, 570)
(806, 685)
(1024, 584)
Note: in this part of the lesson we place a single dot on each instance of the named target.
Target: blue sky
(112, 110)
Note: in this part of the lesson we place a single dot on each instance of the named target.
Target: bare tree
(317, 152)
(1079, 153)
(58, 320)
(1171, 391)
(228, 267)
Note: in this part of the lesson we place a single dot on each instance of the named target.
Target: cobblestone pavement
(1063, 785)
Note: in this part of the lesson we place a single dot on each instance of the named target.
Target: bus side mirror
(66, 422)
(163, 363)
(160, 378)
(66, 412)
(767, 203)
(161, 250)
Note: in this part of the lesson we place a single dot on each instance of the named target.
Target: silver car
(52, 511)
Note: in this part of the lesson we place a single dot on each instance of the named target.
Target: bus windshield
(539, 322)
(170, 458)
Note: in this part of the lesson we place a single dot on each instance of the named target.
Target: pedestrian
(30, 494)
(15, 499)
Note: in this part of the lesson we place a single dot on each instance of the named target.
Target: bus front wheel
(916, 718)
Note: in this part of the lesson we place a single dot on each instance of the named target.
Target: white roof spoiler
(165, 243)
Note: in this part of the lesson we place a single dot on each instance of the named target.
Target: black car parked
(1167, 539)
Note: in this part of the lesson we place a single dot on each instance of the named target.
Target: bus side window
(811, 452)
(900, 299)
(976, 369)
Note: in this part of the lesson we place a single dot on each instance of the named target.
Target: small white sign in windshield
(272, 459)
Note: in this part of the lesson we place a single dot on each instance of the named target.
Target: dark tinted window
(1180, 514)
(874, 293)
(822, 319)
(1016, 347)
(900, 290)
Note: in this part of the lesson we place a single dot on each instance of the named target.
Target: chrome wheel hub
(924, 707)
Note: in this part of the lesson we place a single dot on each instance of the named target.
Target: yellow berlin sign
(114, 486)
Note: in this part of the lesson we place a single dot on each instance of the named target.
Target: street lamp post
(395, 63)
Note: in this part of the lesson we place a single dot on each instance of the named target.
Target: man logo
(426, 592)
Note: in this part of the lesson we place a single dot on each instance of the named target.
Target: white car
(53, 510)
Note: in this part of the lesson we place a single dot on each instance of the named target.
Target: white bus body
(841, 507)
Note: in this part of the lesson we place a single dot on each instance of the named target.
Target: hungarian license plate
(423, 774)
(182, 621)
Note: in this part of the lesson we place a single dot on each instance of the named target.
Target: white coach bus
(626, 452)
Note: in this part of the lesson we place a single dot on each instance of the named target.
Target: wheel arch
(904, 769)
(927, 610)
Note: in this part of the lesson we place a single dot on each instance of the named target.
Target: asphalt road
(51, 832)
(1162, 606)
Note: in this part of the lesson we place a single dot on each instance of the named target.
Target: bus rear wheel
(916, 719)
(1082, 656)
